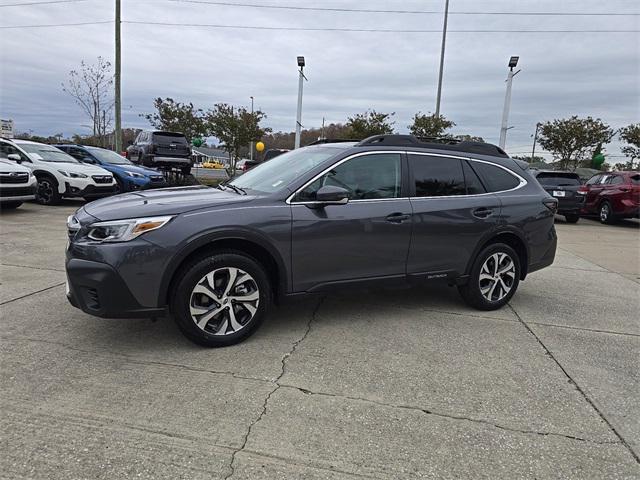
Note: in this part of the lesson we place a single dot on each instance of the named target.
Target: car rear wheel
(221, 299)
(572, 218)
(47, 191)
(606, 213)
(494, 278)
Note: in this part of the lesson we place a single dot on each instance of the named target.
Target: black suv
(161, 149)
(563, 186)
(388, 210)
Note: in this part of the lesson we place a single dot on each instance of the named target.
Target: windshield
(107, 156)
(558, 179)
(47, 153)
(282, 170)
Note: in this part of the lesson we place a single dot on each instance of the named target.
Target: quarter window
(365, 177)
(494, 178)
(437, 176)
(594, 180)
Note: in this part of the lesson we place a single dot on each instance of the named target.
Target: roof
(449, 144)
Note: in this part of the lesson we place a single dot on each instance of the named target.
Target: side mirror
(331, 195)
(15, 157)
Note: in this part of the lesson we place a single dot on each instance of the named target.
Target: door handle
(482, 212)
(397, 217)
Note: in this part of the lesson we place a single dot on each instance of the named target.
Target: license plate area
(558, 193)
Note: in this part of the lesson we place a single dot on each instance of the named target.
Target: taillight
(582, 190)
(551, 204)
(244, 167)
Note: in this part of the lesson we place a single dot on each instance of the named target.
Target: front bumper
(97, 289)
(91, 190)
(133, 184)
(17, 193)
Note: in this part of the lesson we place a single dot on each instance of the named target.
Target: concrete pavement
(387, 384)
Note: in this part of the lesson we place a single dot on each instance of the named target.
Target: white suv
(58, 174)
(17, 185)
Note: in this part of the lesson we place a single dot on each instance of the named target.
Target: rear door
(452, 211)
(593, 193)
(367, 238)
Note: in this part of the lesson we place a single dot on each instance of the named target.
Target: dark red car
(612, 195)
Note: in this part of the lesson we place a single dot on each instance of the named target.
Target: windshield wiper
(238, 190)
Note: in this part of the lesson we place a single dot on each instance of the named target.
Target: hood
(10, 166)
(79, 168)
(163, 201)
(130, 168)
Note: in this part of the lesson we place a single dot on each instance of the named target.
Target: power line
(366, 30)
(57, 24)
(363, 10)
(46, 2)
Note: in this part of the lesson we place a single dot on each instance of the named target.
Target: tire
(191, 303)
(572, 218)
(605, 212)
(9, 205)
(484, 263)
(47, 191)
(185, 170)
(119, 187)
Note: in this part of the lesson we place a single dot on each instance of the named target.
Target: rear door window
(472, 181)
(494, 178)
(635, 179)
(615, 180)
(437, 176)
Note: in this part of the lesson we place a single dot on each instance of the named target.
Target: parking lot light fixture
(301, 64)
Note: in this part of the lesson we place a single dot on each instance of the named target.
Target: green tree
(528, 159)
(369, 123)
(235, 128)
(631, 136)
(430, 125)
(574, 140)
(178, 117)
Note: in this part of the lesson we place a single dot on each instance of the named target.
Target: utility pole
(118, 99)
(535, 139)
(299, 114)
(513, 61)
(444, 40)
(251, 152)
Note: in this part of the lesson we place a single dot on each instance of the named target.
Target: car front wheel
(47, 191)
(494, 278)
(572, 218)
(221, 299)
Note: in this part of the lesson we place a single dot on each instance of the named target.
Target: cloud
(562, 74)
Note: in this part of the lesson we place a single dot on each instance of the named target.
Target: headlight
(72, 174)
(125, 230)
(134, 174)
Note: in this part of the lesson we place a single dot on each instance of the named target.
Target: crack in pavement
(276, 381)
(575, 384)
(449, 416)
(34, 268)
(136, 361)
(32, 293)
(594, 330)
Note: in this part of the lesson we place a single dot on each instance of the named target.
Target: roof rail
(322, 141)
(456, 145)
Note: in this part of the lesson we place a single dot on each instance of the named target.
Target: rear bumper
(182, 161)
(97, 289)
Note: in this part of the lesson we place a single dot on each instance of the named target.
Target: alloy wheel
(45, 191)
(604, 213)
(497, 276)
(224, 301)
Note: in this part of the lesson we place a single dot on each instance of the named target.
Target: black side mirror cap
(330, 195)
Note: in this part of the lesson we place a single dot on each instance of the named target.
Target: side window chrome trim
(521, 181)
(359, 154)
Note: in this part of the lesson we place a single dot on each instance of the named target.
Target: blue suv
(129, 177)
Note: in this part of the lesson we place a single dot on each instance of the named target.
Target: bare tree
(91, 88)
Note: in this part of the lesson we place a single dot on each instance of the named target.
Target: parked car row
(66, 171)
(609, 195)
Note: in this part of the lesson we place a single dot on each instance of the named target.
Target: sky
(562, 74)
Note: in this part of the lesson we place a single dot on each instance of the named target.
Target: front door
(366, 238)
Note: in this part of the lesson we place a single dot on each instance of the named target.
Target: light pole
(513, 61)
(251, 147)
(535, 139)
(444, 39)
(117, 77)
(299, 114)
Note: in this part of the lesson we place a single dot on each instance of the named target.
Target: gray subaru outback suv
(388, 210)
